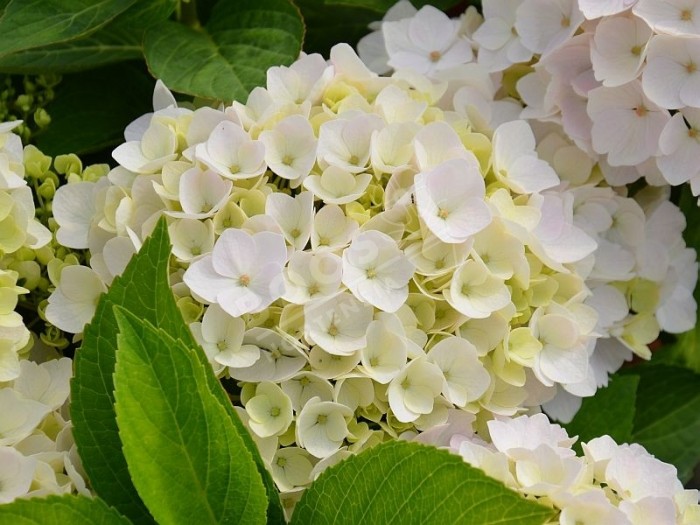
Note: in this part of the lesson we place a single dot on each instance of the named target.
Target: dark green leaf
(60, 510)
(407, 483)
(91, 109)
(26, 24)
(610, 411)
(667, 419)
(118, 41)
(186, 458)
(231, 55)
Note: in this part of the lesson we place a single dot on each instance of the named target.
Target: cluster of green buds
(38, 269)
(25, 98)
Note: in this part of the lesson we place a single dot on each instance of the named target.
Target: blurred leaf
(610, 411)
(231, 54)
(92, 108)
(193, 466)
(120, 40)
(382, 6)
(26, 24)
(667, 418)
(408, 483)
(60, 510)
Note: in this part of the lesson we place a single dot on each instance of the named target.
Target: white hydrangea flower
(413, 391)
(73, 303)
(338, 324)
(673, 17)
(376, 271)
(294, 216)
(311, 276)
(500, 44)
(450, 200)
(278, 360)
(20, 416)
(231, 153)
(332, 230)
(475, 292)
(385, 354)
(270, 410)
(515, 161)
(16, 474)
(543, 25)
(593, 9)
(322, 426)
(345, 143)
(290, 147)
(148, 153)
(626, 124)
(243, 273)
(427, 42)
(618, 50)
(466, 379)
(671, 76)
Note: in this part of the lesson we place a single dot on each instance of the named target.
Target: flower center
(244, 280)
(690, 67)
(565, 21)
(295, 233)
(287, 160)
(322, 418)
(443, 214)
(275, 411)
(234, 168)
(221, 345)
(371, 273)
(641, 111)
(686, 15)
(435, 56)
(333, 330)
(636, 50)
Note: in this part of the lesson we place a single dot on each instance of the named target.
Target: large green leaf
(611, 411)
(60, 510)
(118, 41)
(26, 24)
(231, 54)
(407, 483)
(143, 290)
(91, 109)
(185, 456)
(667, 419)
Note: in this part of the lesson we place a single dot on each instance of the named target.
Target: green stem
(187, 14)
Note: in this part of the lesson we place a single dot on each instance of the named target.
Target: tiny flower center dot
(234, 168)
(275, 411)
(295, 233)
(686, 15)
(323, 241)
(353, 159)
(443, 214)
(314, 289)
(333, 330)
(435, 56)
(196, 250)
(371, 273)
(287, 160)
(304, 381)
(641, 111)
(221, 345)
(281, 462)
(322, 418)
(244, 280)
(636, 50)
(565, 21)
(693, 133)
(465, 289)
(690, 67)
(374, 361)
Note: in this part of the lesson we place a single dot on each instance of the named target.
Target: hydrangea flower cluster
(37, 452)
(617, 79)
(609, 484)
(362, 254)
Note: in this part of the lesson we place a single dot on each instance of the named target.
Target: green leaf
(60, 510)
(406, 483)
(186, 459)
(26, 24)
(610, 411)
(231, 54)
(667, 420)
(143, 290)
(118, 41)
(91, 109)
(326, 25)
